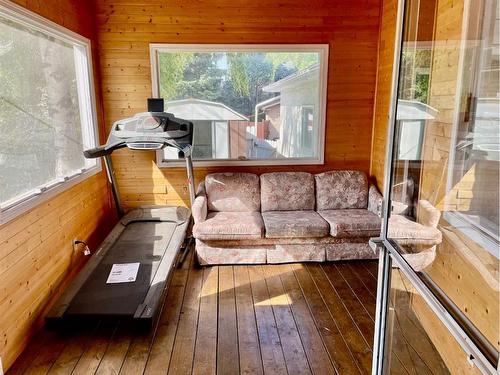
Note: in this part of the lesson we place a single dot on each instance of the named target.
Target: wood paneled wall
(36, 252)
(443, 96)
(420, 29)
(126, 27)
(383, 93)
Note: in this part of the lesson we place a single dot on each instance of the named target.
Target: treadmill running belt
(143, 242)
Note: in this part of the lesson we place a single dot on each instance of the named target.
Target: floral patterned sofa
(241, 218)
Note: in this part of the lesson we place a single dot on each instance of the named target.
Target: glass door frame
(389, 254)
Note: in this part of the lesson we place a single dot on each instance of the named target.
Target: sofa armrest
(200, 208)
(427, 214)
(375, 201)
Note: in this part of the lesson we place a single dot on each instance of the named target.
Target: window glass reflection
(445, 185)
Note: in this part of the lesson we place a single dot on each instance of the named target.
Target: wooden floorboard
(365, 277)
(227, 340)
(185, 339)
(347, 326)
(248, 337)
(293, 350)
(161, 350)
(363, 293)
(70, 355)
(112, 361)
(314, 346)
(48, 354)
(138, 353)
(273, 359)
(205, 353)
(25, 360)
(338, 349)
(89, 361)
(273, 319)
(354, 306)
(372, 268)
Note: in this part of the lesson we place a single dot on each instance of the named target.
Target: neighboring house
(297, 122)
(411, 116)
(271, 109)
(219, 131)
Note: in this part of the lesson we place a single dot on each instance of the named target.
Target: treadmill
(128, 275)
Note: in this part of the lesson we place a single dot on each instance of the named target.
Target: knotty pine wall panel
(125, 28)
(383, 91)
(421, 29)
(36, 254)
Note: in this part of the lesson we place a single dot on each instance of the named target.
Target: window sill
(31, 200)
(162, 163)
(475, 233)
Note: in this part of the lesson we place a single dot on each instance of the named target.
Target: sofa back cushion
(336, 190)
(233, 192)
(287, 191)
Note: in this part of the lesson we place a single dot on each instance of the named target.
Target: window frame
(22, 203)
(321, 49)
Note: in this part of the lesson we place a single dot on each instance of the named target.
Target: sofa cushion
(280, 224)
(230, 226)
(287, 191)
(233, 192)
(337, 190)
(408, 232)
(352, 222)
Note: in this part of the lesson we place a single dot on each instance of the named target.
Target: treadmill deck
(151, 236)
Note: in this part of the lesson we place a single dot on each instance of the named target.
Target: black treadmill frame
(148, 311)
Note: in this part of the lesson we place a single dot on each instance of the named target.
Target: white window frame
(321, 49)
(87, 103)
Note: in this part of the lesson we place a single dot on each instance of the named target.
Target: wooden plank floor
(271, 319)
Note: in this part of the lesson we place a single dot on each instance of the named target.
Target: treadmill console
(160, 124)
(147, 131)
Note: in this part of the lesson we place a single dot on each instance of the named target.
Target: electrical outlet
(86, 249)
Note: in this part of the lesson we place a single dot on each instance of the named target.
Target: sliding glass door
(438, 307)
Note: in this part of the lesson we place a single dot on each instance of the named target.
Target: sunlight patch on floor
(282, 300)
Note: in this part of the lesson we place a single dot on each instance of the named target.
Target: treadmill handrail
(103, 150)
(107, 149)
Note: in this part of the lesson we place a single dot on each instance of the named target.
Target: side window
(47, 115)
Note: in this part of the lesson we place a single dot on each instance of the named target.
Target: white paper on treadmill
(123, 273)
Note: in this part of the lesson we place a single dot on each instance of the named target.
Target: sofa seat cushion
(287, 191)
(282, 224)
(336, 190)
(352, 222)
(407, 232)
(230, 226)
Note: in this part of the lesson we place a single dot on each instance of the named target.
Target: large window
(250, 105)
(47, 112)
